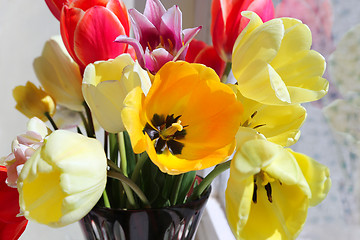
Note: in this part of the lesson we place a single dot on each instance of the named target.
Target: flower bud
(33, 102)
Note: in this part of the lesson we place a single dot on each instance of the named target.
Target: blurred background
(331, 133)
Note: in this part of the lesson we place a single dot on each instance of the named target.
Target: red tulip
(200, 52)
(11, 227)
(227, 21)
(89, 28)
(55, 6)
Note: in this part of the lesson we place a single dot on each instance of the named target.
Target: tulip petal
(144, 30)
(170, 28)
(154, 10)
(132, 119)
(63, 180)
(173, 165)
(156, 59)
(119, 9)
(68, 22)
(93, 33)
(279, 124)
(59, 75)
(55, 6)
(284, 215)
(316, 175)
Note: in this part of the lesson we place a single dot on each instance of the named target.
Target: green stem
(117, 174)
(53, 124)
(106, 199)
(123, 165)
(86, 125)
(205, 183)
(176, 188)
(90, 121)
(122, 149)
(139, 166)
(226, 72)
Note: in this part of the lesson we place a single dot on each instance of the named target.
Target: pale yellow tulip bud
(59, 74)
(63, 179)
(105, 86)
(33, 101)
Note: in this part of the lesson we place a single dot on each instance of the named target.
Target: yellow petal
(33, 101)
(59, 74)
(279, 124)
(63, 180)
(133, 122)
(282, 218)
(105, 86)
(173, 165)
(273, 63)
(316, 175)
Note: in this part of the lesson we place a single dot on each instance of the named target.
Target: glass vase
(174, 222)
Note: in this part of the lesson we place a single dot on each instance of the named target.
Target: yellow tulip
(273, 63)
(33, 102)
(105, 86)
(63, 180)
(270, 189)
(188, 120)
(59, 74)
(279, 124)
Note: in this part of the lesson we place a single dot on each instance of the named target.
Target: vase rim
(203, 197)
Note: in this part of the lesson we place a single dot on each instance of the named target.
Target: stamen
(260, 125)
(171, 45)
(254, 114)
(170, 131)
(254, 198)
(150, 48)
(268, 192)
(162, 41)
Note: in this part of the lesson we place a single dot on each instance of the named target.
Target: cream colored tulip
(105, 86)
(273, 64)
(59, 74)
(63, 179)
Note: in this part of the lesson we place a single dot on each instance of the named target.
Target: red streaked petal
(55, 6)
(95, 34)
(68, 22)
(86, 4)
(263, 8)
(119, 9)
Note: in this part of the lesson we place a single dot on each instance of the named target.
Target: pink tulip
(159, 37)
(89, 28)
(200, 52)
(227, 22)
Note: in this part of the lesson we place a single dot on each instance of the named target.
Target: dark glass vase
(175, 222)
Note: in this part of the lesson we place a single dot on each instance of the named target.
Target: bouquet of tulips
(169, 105)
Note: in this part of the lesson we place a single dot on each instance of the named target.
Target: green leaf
(186, 184)
(130, 155)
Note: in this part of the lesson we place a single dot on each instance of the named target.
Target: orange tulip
(89, 28)
(227, 22)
